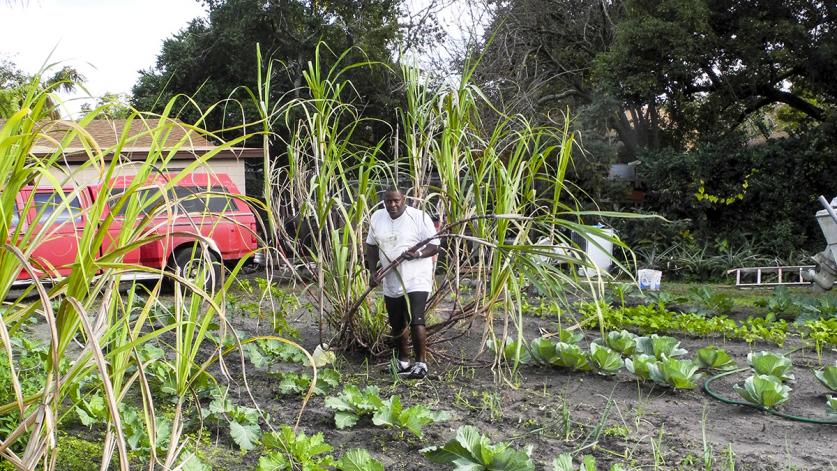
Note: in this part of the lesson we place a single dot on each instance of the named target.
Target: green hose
(715, 395)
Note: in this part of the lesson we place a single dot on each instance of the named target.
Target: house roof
(141, 140)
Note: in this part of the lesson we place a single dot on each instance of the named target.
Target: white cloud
(107, 41)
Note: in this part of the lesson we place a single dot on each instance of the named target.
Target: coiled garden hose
(715, 395)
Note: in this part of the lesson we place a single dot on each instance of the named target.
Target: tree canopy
(211, 57)
(665, 73)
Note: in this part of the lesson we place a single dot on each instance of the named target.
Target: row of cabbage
(661, 359)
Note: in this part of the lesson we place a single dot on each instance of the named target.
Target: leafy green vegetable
(659, 346)
(713, 358)
(569, 336)
(828, 377)
(243, 421)
(654, 318)
(472, 451)
(245, 436)
(622, 341)
(358, 459)
(564, 462)
(638, 365)
(567, 355)
(413, 418)
(763, 390)
(298, 383)
(276, 350)
(606, 361)
(511, 349)
(674, 373)
(709, 303)
(831, 405)
(571, 356)
(772, 364)
(289, 451)
(542, 351)
(351, 404)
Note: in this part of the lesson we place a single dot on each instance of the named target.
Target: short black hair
(393, 189)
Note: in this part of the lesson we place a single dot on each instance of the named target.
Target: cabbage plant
(660, 346)
(606, 361)
(542, 351)
(622, 341)
(512, 349)
(569, 336)
(763, 390)
(571, 356)
(772, 364)
(674, 373)
(714, 358)
(828, 377)
(638, 365)
(831, 405)
(472, 450)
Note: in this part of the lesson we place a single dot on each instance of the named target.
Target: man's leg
(417, 301)
(397, 313)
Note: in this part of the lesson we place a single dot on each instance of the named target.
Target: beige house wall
(91, 175)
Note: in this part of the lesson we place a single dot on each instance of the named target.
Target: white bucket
(599, 251)
(649, 279)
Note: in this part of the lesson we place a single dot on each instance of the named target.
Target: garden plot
(548, 410)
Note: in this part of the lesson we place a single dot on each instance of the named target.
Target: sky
(108, 41)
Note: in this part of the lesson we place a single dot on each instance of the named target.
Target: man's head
(394, 202)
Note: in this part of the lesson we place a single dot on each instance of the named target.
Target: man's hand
(412, 254)
(373, 279)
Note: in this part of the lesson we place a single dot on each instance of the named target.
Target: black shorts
(406, 307)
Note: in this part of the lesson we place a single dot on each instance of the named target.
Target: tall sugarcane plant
(497, 189)
(86, 306)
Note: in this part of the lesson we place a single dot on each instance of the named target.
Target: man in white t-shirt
(393, 231)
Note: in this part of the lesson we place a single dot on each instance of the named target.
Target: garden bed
(555, 410)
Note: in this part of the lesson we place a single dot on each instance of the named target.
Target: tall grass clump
(498, 189)
(124, 350)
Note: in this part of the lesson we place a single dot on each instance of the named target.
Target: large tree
(714, 63)
(664, 73)
(14, 83)
(213, 56)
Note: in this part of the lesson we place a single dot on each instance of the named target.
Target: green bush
(730, 201)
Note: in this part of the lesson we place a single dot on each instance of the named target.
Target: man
(393, 231)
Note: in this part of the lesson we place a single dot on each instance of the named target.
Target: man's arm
(428, 250)
(372, 259)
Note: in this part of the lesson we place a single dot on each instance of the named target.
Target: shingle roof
(140, 141)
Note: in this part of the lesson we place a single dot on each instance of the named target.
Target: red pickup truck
(202, 208)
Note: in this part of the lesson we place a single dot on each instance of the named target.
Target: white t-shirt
(395, 236)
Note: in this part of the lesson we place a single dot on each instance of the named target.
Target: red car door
(111, 240)
(61, 223)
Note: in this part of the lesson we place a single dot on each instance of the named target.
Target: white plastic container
(600, 252)
(649, 279)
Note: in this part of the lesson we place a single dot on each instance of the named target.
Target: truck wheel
(190, 261)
